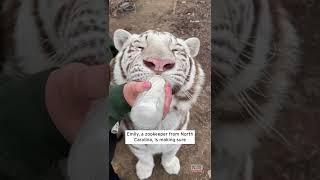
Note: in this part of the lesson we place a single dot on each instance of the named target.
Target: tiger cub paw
(144, 171)
(172, 166)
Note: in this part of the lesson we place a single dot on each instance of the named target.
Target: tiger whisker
(256, 109)
(240, 98)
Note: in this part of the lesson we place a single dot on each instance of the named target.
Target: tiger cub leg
(145, 162)
(170, 161)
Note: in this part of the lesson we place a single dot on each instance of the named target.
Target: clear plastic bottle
(147, 112)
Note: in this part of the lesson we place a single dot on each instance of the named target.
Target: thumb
(168, 99)
(139, 87)
(132, 89)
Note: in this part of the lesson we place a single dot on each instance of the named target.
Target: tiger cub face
(158, 53)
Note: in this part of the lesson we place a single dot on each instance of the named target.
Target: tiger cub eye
(174, 50)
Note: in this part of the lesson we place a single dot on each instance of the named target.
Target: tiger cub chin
(149, 53)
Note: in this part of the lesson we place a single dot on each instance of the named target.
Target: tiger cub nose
(159, 65)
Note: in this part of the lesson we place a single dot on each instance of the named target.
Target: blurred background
(300, 120)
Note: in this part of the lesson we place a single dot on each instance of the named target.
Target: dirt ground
(300, 120)
(184, 19)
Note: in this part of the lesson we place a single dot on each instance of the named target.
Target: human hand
(132, 89)
(71, 90)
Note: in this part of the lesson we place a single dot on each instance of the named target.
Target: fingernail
(147, 85)
(164, 115)
(168, 88)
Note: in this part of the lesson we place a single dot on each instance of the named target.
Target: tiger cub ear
(193, 45)
(120, 37)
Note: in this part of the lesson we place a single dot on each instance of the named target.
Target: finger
(139, 87)
(132, 89)
(168, 99)
(127, 93)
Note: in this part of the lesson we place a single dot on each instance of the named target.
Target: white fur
(156, 47)
(120, 37)
(193, 45)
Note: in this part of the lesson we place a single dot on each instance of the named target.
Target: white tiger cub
(138, 56)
